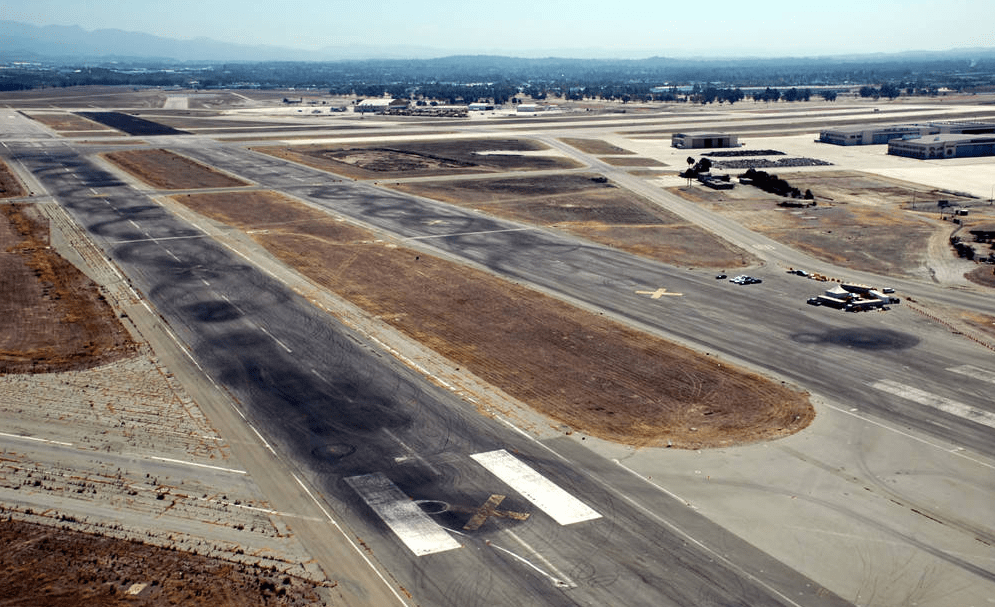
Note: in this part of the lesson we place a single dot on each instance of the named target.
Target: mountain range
(75, 45)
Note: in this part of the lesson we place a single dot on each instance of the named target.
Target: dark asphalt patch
(861, 339)
(130, 124)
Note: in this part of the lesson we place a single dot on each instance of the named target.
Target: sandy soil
(52, 317)
(169, 171)
(611, 381)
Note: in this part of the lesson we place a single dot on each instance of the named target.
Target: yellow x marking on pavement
(658, 293)
(488, 510)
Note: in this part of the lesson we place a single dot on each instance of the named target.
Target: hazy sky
(633, 28)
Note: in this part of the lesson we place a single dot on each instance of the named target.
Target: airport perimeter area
(270, 355)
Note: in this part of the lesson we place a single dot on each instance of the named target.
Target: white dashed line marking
(196, 465)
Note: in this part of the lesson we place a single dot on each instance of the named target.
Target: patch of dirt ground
(860, 221)
(597, 376)
(52, 316)
(426, 158)
(10, 185)
(42, 565)
(588, 206)
(168, 171)
(66, 123)
(597, 147)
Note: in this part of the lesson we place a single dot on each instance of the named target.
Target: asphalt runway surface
(352, 419)
(361, 427)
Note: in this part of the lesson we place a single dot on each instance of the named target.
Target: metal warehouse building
(880, 134)
(704, 140)
(944, 146)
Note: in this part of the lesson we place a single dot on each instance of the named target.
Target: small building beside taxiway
(689, 141)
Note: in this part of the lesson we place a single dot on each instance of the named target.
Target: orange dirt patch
(425, 158)
(52, 317)
(983, 275)
(166, 170)
(10, 185)
(42, 565)
(586, 206)
(632, 161)
(595, 146)
(71, 122)
(597, 376)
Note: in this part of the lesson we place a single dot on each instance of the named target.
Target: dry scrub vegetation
(168, 171)
(860, 221)
(52, 316)
(10, 185)
(42, 565)
(595, 375)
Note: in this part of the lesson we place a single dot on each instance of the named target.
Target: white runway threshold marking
(975, 372)
(937, 402)
(545, 495)
(405, 518)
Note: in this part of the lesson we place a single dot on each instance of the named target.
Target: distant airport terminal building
(943, 146)
(703, 140)
(881, 134)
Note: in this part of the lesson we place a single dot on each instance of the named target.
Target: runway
(402, 462)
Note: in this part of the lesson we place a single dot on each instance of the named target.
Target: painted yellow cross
(658, 293)
(488, 510)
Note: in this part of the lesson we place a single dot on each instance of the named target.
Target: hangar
(379, 105)
(944, 146)
(703, 140)
(871, 134)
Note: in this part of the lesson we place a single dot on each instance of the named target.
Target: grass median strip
(597, 376)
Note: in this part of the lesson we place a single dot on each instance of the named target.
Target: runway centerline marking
(405, 518)
(282, 345)
(544, 494)
(946, 405)
(35, 439)
(195, 464)
(469, 233)
(975, 372)
(659, 293)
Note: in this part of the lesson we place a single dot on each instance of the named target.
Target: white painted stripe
(469, 233)
(545, 495)
(37, 440)
(179, 461)
(975, 372)
(937, 402)
(419, 533)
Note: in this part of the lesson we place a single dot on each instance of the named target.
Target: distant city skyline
(581, 28)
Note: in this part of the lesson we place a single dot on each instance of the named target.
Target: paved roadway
(353, 412)
(370, 435)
